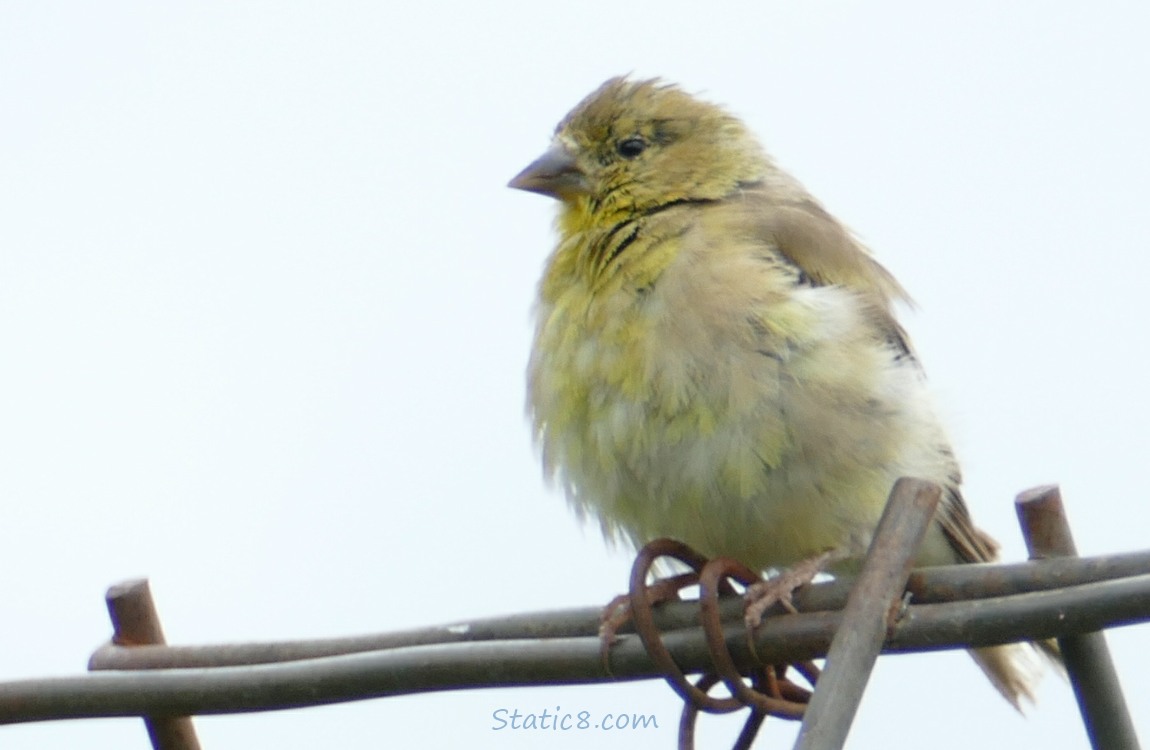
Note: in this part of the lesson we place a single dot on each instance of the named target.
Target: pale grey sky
(264, 315)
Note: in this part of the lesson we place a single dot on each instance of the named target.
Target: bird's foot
(779, 589)
(617, 613)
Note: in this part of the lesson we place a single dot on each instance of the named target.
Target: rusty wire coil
(770, 691)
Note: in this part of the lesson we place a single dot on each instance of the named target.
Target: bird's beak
(554, 174)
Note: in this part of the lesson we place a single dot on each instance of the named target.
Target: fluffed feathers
(717, 359)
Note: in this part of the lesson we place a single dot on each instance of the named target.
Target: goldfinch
(717, 358)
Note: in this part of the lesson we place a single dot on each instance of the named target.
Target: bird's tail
(1016, 668)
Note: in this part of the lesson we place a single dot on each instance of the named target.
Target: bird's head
(632, 146)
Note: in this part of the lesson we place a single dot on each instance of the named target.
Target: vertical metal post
(1087, 658)
(135, 622)
(874, 599)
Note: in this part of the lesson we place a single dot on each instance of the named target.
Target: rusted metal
(1008, 619)
(135, 622)
(958, 582)
(769, 693)
(1086, 656)
(561, 660)
(649, 634)
(774, 697)
(689, 717)
(928, 586)
(868, 614)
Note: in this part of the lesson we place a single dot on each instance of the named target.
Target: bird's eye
(631, 147)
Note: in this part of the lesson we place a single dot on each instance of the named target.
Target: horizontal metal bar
(552, 661)
(928, 585)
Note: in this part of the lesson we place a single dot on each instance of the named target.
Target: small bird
(717, 358)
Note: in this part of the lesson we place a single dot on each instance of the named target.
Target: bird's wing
(824, 249)
(825, 253)
(971, 544)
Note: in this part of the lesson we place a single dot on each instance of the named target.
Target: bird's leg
(636, 604)
(760, 596)
(617, 613)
